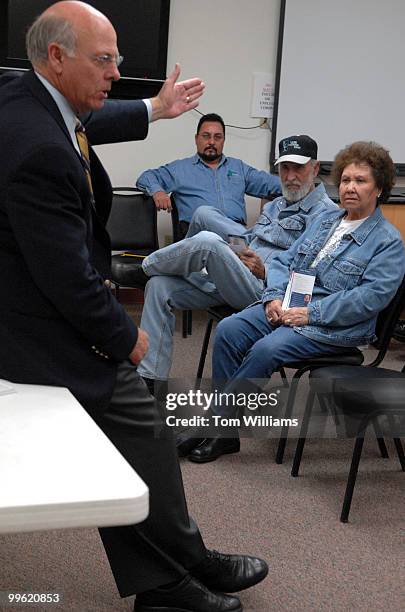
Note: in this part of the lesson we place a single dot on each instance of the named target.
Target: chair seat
(350, 357)
(364, 390)
(127, 268)
(221, 312)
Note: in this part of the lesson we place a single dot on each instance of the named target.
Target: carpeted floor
(247, 503)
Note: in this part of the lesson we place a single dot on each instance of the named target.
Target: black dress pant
(162, 548)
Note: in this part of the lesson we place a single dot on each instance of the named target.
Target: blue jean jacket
(353, 283)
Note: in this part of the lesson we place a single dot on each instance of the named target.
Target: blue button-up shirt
(193, 183)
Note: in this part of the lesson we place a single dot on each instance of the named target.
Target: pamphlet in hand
(299, 290)
(6, 388)
(237, 243)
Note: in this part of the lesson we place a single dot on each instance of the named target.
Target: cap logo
(291, 144)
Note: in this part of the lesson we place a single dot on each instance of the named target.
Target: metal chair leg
(288, 412)
(303, 434)
(284, 378)
(400, 452)
(184, 324)
(397, 442)
(204, 349)
(380, 440)
(351, 481)
(189, 322)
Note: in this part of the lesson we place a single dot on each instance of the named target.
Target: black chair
(215, 314)
(132, 226)
(385, 326)
(361, 396)
(180, 229)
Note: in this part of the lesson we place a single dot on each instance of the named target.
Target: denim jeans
(248, 347)
(178, 283)
(214, 220)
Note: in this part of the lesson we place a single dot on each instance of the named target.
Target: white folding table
(58, 469)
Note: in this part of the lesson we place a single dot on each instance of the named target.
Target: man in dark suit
(59, 322)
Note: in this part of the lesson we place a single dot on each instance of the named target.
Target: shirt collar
(361, 232)
(197, 160)
(64, 107)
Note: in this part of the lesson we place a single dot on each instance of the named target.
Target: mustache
(292, 184)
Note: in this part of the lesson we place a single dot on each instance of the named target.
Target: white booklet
(299, 290)
(6, 388)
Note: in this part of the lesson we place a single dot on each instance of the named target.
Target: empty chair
(362, 396)
(132, 226)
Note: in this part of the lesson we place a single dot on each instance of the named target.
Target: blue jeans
(248, 347)
(178, 283)
(214, 220)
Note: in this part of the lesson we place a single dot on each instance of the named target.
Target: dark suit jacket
(59, 324)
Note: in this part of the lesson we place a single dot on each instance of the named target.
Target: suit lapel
(101, 182)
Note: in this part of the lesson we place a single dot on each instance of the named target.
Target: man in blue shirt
(203, 271)
(208, 178)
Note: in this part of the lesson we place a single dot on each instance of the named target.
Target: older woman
(357, 260)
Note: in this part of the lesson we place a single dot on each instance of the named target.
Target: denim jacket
(281, 223)
(353, 283)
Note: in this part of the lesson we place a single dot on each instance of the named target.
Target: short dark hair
(373, 154)
(211, 117)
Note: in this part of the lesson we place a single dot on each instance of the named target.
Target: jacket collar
(44, 97)
(360, 234)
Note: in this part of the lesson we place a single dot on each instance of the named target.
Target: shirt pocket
(343, 275)
(304, 256)
(286, 231)
(235, 185)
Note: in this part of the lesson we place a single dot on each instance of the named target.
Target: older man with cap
(202, 270)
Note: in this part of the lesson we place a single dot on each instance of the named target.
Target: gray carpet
(247, 503)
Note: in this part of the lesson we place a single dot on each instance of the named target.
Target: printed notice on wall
(262, 95)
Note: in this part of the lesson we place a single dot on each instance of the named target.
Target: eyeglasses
(216, 137)
(107, 59)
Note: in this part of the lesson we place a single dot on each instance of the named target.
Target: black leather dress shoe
(212, 448)
(399, 331)
(189, 595)
(230, 573)
(185, 443)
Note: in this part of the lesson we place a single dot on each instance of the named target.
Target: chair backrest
(179, 227)
(386, 322)
(133, 220)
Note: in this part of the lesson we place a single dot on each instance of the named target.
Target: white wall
(223, 42)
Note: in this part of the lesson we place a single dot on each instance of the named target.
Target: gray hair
(46, 29)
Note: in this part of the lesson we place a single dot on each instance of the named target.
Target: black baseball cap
(298, 149)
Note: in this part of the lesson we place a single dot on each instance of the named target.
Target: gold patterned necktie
(84, 150)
